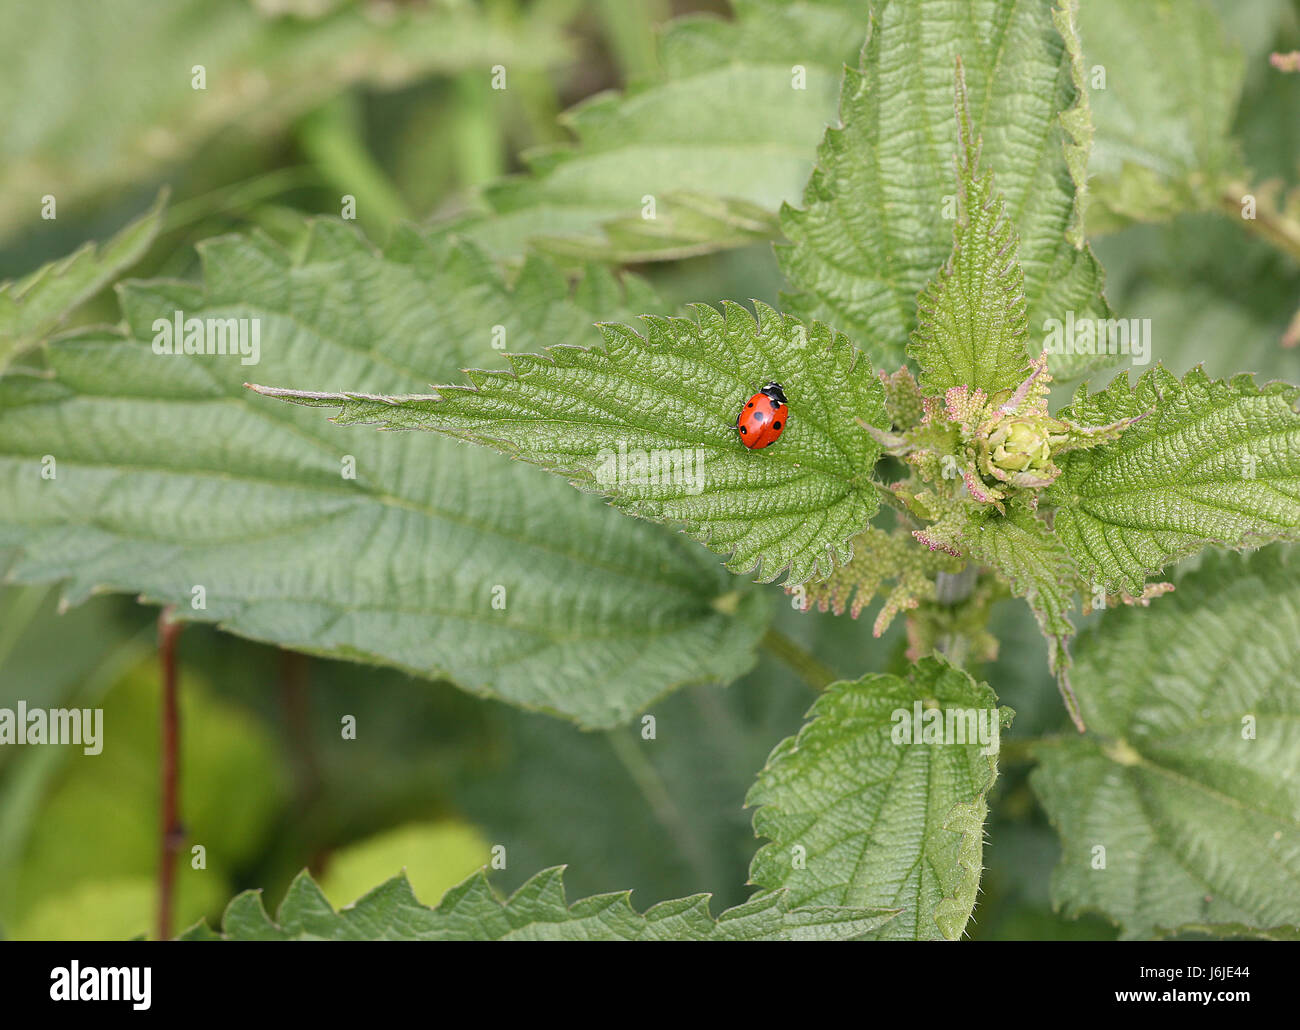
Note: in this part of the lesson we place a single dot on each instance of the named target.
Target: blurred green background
(392, 103)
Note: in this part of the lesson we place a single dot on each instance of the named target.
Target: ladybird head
(774, 391)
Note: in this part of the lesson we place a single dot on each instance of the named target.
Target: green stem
(532, 93)
(647, 779)
(955, 647)
(332, 137)
(630, 29)
(24, 603)
(239, 196)
(952, 588)
(1268, 224)
(476, 130)
(811, 669)
(1025, 750)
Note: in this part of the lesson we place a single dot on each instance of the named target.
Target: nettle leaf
(118, 114)
(1271, 933)
(1034, 563)
(1164, 117)
(855, 818)
(718, 143)
(1191, 779)
(1029, 558)
(400, 549)
(650, 421)
(537, 911)
(1245, 292)
(971, 322)
(1212, 461)
(35, 305)
(872, 229)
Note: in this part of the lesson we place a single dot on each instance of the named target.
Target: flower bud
(1016, 444)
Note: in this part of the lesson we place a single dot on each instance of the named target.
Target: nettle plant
(997, 493)
(921, 463)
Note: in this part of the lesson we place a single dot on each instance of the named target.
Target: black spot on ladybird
(776, 425)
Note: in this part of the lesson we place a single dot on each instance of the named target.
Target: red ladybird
(763, 417)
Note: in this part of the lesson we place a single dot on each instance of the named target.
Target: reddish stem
(295, 702)
(173, 836)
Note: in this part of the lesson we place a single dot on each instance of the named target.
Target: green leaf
(1268, 97)
(871, 231)
(118, 113)
(720, 141)
(98, 813)
(433, 856)
(651, 422)
(34, 306)
(1271, 933)
(113, 908)
(1032, 561)
(1164, 117)
(1212, 461)
(37, 666)
(856, 817)
(971, 322)
(1020, 548)
(171, 475)
(1202, 281)
(684, 224)
(1190, 780)
(1035, 565)
(538, 911)
(666, 819)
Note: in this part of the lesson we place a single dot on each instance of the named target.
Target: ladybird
(762, 420)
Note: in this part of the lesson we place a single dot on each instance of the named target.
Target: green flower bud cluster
(1017, 444)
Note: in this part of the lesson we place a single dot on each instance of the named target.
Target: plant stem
(1026, 749)
(239, 196)
(652, 788)
(476, 131)
(295, 704)
(630, 31)
(24, 604)
(172, 832)
(811, 669)
(1291, 338)
(1269, 224)
(952, 588)
(333, 138)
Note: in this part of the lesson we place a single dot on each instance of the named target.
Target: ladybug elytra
(762, 420)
